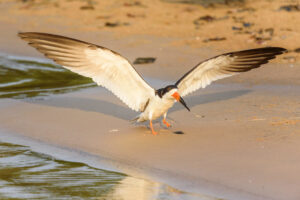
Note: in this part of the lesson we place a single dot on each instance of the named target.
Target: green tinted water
(23, 78)
(25, 174)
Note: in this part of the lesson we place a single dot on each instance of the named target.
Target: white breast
(157, 107)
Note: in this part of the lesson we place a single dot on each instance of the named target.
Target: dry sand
(242, 138)
(249, 25)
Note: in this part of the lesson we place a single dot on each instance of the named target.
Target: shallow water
(25, 174)
(23, 77)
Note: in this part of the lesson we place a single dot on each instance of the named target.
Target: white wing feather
(224, 66)
(105, 67)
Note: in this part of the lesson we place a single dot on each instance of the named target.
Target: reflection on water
(25, 77)
(29, 175)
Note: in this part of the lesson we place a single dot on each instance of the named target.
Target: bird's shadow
(91, 105)
(124, 113)
(193, 101)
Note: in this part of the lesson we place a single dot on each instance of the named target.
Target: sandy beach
(241, 139)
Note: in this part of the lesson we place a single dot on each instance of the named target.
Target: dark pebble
(236, 28)
(178, 132)
(247, 25)
(214, 39)
(112, 24)
(297, 50)
(290, 8)
(87, 8)
(145, 60)
(207, 18)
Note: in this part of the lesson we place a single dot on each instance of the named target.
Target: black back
(160, 92)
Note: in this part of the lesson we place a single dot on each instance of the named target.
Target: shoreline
(60, 126)
(180, 184)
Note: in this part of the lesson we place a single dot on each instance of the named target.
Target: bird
(114, 72)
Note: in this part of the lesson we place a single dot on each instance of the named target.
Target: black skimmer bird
(114, 72)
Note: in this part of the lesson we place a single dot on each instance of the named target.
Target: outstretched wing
(223, 66)
(105, 67)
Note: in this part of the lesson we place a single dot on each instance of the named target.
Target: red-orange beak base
(176, 96)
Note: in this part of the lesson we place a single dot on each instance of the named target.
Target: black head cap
(160, 92)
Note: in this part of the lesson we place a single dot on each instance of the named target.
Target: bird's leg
(165, 122)
(152, 130)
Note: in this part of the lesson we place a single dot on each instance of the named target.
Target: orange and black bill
(180, 99)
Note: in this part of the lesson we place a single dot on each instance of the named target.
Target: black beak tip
(184, 104)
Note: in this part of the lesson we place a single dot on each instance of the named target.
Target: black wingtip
(268, 51)
(246, 59)
(276, 49)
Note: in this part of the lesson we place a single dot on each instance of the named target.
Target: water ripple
(23, 77)
(25, 174)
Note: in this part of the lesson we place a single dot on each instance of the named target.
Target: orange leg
(166, 123)
(152, 130)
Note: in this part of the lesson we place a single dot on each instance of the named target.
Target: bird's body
(112, 71)
(156, 107)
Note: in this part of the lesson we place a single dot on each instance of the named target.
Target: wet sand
(238, 142)
(241, 140)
